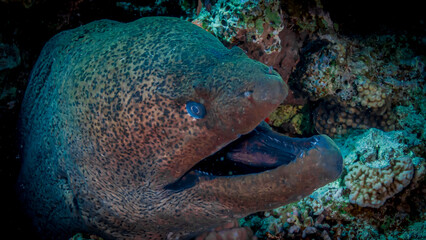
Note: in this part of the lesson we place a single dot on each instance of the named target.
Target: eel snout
(268, 149)
(271, 92)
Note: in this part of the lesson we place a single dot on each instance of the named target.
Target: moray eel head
(224, 95)
(153, 130)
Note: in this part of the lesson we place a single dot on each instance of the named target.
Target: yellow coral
(284, 114)
(296, 123)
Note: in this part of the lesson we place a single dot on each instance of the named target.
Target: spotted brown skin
(107, 142)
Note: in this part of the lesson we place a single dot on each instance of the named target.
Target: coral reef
(259, 21)
(379, 165)
(380, 196)
(360, 81)
(261, 28)
(370, 187)
(309, 217)
(363, 72)
(413, 123)
(318, 67)
(414, 231)
(374, 148)
(288, 118)
(337, 119)
(370, 94)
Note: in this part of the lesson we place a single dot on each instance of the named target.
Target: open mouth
(258, 151)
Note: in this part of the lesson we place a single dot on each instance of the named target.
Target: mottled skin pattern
(105, 129)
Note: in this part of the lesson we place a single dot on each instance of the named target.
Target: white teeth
(205, 173)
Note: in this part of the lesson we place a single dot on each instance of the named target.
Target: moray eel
(154, 130)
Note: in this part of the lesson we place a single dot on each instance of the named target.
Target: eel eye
(196, 110)
(248, 94)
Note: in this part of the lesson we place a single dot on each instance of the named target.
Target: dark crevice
(223, 166)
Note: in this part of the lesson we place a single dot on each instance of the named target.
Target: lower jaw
(245, 194)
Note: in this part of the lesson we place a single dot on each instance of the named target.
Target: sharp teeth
(205, 173)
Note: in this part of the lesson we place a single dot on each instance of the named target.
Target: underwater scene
(213, 119)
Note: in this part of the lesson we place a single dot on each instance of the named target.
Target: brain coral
(378, 167)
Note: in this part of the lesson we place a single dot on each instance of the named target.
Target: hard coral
(371, 187)
(259, 21)
(360, 81)
(337, 119)
(307, 218)
(371, 95)
(414, 123)
(378, 167)
(288, 118)
(364, 72)
(318, 69)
